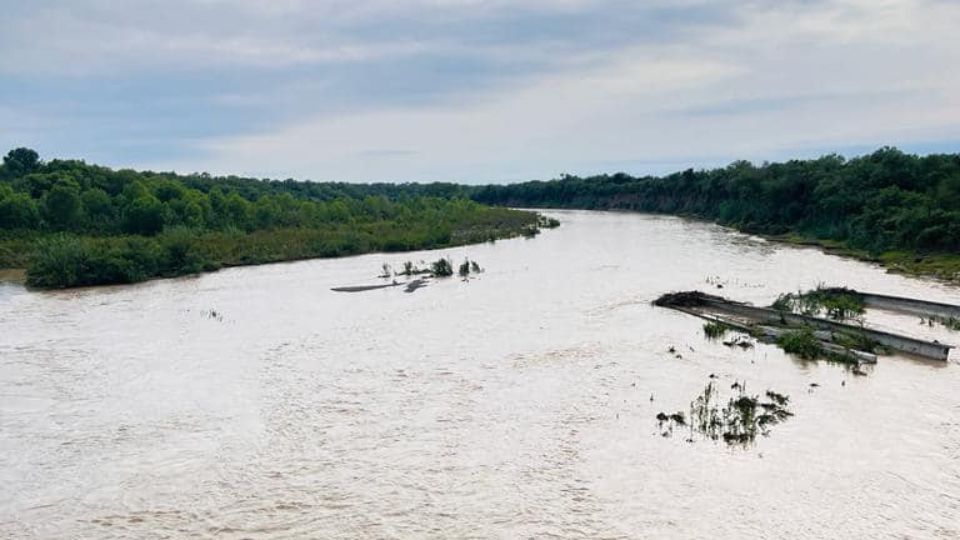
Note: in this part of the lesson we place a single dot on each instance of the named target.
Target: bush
(801, 342)
(59, 262)
(714, 330)
(441, 268)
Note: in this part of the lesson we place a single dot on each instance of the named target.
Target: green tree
(20, 161)
(19, 211)
(239, 212)
(99, 208)
(63, 207)
(144, 216)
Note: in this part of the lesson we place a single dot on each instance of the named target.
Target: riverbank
(59, 261)
(941, 266)
(13, 275)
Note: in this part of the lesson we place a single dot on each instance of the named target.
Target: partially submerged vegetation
(836, 303)
(804, 343)
(950, 323)
(714, 329)
(738, 422)
(73, 224)
(440, 268)
(793, 324)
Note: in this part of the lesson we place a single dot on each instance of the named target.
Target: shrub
(801, 342)
(441, 268)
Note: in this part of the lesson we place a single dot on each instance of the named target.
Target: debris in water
(415, 284)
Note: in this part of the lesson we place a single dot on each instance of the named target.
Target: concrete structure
(906, 344)
(910, 305)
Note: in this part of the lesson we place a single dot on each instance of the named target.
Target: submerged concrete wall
(910, 305)
(927, 349)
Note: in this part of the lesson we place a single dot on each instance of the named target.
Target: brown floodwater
(518, 404)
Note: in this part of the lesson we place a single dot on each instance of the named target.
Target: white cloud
(718, 80)
(819, 76)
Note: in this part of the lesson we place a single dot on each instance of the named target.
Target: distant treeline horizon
(885, 201)
(70, 224)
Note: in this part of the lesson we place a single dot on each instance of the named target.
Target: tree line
(72, 223)
(887, 200)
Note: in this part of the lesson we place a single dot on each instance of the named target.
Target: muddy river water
(257, 403)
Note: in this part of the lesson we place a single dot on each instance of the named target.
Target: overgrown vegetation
(900, 209)
(714, 330)
(441, 268)
(836, 303)
(74, 224)
(804, 343)
(801, 342)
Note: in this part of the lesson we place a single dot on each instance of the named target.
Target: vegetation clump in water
(950, 323)
(738, 422)
(801, 342)
(804, 343)
(468, 267)
(442, 267)
(836, 303)
(715, 330)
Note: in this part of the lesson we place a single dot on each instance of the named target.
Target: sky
(474, 90)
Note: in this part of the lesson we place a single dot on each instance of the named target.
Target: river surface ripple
(519, 404)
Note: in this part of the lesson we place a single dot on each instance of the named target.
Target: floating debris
(741, 341)
(362, 288)
(415, 284)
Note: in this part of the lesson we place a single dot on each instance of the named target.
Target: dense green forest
(894, 207)
(72, 224)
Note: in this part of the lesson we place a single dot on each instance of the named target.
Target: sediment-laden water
(257, 403)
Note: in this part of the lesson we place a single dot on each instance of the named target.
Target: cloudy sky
(474, 90)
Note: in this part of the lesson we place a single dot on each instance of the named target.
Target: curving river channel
(257, 403)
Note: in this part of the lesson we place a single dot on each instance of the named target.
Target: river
(518, 404)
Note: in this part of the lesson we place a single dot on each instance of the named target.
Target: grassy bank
(71, 224)
(61, 260)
